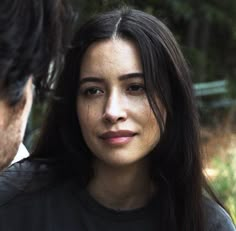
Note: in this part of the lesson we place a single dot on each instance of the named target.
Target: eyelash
(133, 89)
(136, 88)
(88, 91)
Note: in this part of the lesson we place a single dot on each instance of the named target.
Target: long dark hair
(176, 161)
(33, 33)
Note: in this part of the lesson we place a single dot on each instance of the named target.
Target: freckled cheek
(143, 110)
(88, 115)
(148, 121)
(151, 131)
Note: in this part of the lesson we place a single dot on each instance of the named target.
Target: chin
(120, 160)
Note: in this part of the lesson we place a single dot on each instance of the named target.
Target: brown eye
(136, 89)
(93, 91)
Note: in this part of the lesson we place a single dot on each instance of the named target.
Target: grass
(221, 154)
(224, 183)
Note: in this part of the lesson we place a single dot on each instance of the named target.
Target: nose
(115, 109)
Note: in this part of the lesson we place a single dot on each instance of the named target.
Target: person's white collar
(21, 154)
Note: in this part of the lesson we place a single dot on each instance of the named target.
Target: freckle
(88, 111)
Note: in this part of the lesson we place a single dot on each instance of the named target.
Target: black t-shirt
(32, 200)
(98, 217)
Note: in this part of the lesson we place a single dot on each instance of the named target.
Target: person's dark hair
(33, 33)
(176, 161)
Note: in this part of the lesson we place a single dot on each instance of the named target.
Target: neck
(121, 188)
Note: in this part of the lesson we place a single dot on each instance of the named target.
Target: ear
(27, 100)
(28, 85)
(27, 95)
(4, 112)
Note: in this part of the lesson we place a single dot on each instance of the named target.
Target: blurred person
(33, 34)
(119, 149)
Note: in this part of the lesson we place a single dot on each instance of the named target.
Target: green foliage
(225, 181)
(206, 28)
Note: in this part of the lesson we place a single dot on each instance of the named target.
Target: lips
(120, 137)
(117, 134)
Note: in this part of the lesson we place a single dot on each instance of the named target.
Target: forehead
(117, 55)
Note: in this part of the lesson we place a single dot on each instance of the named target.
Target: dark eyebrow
(131, 76)
(100, 80)
(91, 79)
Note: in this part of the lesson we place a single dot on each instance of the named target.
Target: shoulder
(24, 177)
(216, 218)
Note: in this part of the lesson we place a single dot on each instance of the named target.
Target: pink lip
(118, 137)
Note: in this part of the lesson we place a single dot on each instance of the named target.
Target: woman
(120, 146)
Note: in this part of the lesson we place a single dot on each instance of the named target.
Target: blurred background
(206, 31)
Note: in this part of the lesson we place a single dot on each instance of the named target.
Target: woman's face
(115, 117)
